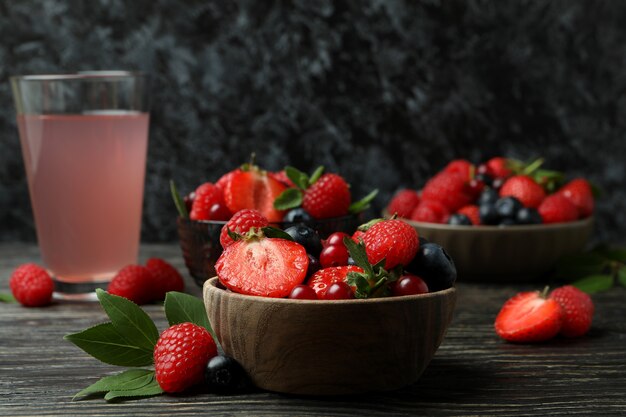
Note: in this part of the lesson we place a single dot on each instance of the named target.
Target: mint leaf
(150, 389)
(288, 199)
(362, 204)
(129, 320)
(106, 344)
(181, 308)
(273, 232)
(621, 276)
(297, 177)
(594, 283)
(126, 380)
(358, 254)
(7, 298)
(178, 201)
(316, 175)
(581, 265)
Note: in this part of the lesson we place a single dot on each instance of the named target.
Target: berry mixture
(501, 191)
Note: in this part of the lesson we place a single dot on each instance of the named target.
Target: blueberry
(507, 222)
(225, 375)
(307, 237)
(507, 207)
(434, 266)
(314, 265)
(489, 196)
(488, 214)
(527, 215)
(459, 220)
(297, 215)
(351, 261)
(485, 179)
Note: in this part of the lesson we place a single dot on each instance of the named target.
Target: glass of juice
(84, 139)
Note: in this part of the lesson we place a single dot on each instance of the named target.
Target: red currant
(188, 199)
(303, 292)
(334, 256)
(219, 211)
(409, 284)
(336, 239)
(338, 291)
(475, 187)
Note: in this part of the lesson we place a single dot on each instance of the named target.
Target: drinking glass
(84, 139)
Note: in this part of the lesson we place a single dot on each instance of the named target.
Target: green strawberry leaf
(152, 388)
(105, 343)
(594, 283)
(178, 201)
(129, 320)
(273, 232)
(288, 199)
(362, 204)
(581, 265)
(127, 380)
(533, 166)
(359, 255)
(360, 282)
(182, 308)
(316, 175)
(614, 254)
(621, 276)
(7, 298)
(299, 178)
(366, 226)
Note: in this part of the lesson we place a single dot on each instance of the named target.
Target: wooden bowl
(317, 347)
(200, 240)
(507, 254)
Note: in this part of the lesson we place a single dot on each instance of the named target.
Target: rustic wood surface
(472, 374)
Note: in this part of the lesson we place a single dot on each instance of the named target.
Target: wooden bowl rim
(578, 224)
(211, 285)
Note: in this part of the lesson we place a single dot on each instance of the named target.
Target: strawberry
(577, 310)
(268, 267)
(462, 167)
(557, 209)
(165, 278)
(31, 285)
(403, 203)
(448, 188)
(324, 278)
(181, 355)
(529, 317)
(498, 167)
(392, 240)
(329, 196)
(225, 179)
(240, 223)
(358, 235)
(208, 204)
(471, 212)
(133, 282)
(282, 177)
(430, 212)
(579, 192)
(252, 188)
(525, 189)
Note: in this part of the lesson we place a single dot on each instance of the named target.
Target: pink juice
(85, 176)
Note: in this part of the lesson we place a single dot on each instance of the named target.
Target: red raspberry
(165, 278)
(557, 209)
(31, 285)
(403, 203)
(241, 222)
(448, 188)
(577, 310)
(180, 356)
(328, 197)
(203, 207)
(462, 167)
(471, 212)
(133, 282)
(430, 212)
(393, 240)
(525, 189)
(497, 167)
(579, 192)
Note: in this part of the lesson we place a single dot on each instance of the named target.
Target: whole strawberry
(208, 204)
(430, 211)
(557, 209)
(579, 193)
(392, 240)
(403, 203)
(133, 282)
(472, 213)
(323, 279)
(577, 310)
(461, 167)
(498, 167)
(241, 223)
(329, 196)
(31, 285)
(181, 355)
(165, 278)
(525, 189)
(529, 317)
(448, 188)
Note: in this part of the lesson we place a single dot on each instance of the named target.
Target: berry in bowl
(283, 199)
(302, 327)
(503, 220)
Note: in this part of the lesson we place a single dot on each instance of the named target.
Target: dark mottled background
(385, 92)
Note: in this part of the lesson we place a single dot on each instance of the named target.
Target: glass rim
(81, 75)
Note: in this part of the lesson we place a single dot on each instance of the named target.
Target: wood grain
(472, 374)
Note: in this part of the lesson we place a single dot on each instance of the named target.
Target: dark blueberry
(507, 207)
(527, 215)
(434, 266)
(297, 215)
(507, 222)
(489, 196)
(488, 214)
(351, 261)
(484, 178)
(307, 237)
(314, 265)
(459, 220)
(497, 183)
(225, 375)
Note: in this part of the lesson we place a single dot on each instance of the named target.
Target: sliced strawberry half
(254, 189)
(267, 267)
(529, 317)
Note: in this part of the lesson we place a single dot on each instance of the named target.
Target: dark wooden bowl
(200, 240)
(330, 347)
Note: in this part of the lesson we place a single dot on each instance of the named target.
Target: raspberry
(180, 356)
(133, 282)
(471, 212)
(448, 188)
(557, 209)
(430, 212)
(525, 189)
(328, 197)
(208, 204)
(577, 310)
(403, 203)
(393, 240)
(165, 278)
(241, 222)
(31, 285)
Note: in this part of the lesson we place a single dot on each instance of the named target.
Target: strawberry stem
(533, 166)
(544, 293)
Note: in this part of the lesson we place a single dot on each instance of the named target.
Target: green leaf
(366, 226)
(594, 283)
(105, 343)
(127, 380)
(150, 389)
(580, 265)
(182, 308)
(273, 232)
(363, 204)
(288, 199)
(358, 254)
(129, 320)
(533, 166)
(7, 298)
(178, 201)
(297, 177)
(360, 282)
(621, 276)
(316, 175)
(614, 254)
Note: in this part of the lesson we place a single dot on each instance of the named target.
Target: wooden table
(473, 373)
